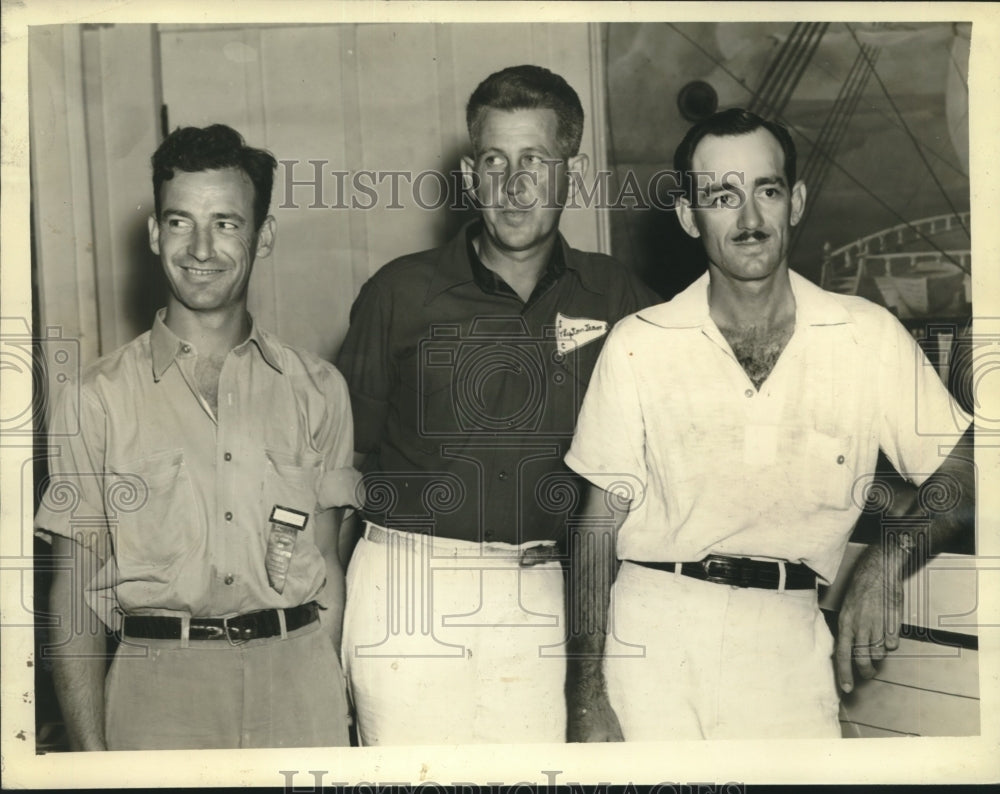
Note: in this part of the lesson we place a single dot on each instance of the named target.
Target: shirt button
(840, 458)
(502, 475)
(749, 392)
(229, 579)
(228, 456)
(229, 516)
(186, 348)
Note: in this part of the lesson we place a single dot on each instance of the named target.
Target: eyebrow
(761, 181)
(770, 180)
(543, 150)
(216, 216)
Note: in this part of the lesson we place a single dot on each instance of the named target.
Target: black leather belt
(741, 572)
(251, 626)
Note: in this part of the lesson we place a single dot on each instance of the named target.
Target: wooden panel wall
(377, 98)
(59, 175)
(121, 93)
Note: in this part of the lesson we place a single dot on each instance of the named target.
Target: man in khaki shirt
(192, 503)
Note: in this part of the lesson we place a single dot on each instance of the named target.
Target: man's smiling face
(206, 239)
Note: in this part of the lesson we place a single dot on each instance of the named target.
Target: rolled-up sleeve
(73, 503)
(340, 483)
(920, 422)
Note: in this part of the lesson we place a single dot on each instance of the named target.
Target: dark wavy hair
(734, 121)
(194, 149)
(529, 87)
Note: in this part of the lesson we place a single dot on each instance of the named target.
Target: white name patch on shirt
(575, 332)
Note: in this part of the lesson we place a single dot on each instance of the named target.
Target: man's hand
(870, 617)
(594, 722)
(872, 611)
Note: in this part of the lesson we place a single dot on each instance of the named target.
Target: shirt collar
(489, 281)
(689, 309)
(165, 345)
(458, 264)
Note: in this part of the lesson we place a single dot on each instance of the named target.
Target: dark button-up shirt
(465, 396)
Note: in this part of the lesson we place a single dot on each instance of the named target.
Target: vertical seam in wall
(85, 265)
(112, 266)
(447, 97)
(599, 126)
(157, 58)
(256, 107)
(96, 163)
(361, 252)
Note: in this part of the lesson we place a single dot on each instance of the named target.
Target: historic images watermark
(317, 780)
(313, 185)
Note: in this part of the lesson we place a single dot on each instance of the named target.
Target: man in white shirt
(729, 436)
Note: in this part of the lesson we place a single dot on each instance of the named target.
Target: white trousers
(452, 642)
(690, 659)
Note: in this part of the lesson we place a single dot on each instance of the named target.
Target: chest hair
(207, 370)
(758, 349)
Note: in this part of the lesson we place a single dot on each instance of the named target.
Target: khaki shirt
(177, 501)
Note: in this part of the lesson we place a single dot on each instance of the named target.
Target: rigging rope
(827, 156)
(912, 137)
(831, 134)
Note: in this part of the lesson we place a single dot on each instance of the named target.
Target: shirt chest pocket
(829, 469)
(290, 481)
(152, 512)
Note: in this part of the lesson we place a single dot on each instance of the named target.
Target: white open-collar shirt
(714, 466)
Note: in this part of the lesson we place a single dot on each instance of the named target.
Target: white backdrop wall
(357, 97)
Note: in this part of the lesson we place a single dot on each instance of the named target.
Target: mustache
(745, 237)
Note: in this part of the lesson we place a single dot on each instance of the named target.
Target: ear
(154, 234)
(686, 217)
(579, 165)
(798, 202)
(468, 174)
(265, 238)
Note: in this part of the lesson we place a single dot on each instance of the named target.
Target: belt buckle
(717, 578)
(229, 632)
(216, 631)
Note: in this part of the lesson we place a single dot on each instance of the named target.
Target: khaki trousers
(270, 692)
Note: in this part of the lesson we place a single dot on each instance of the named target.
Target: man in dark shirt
(466, 366)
